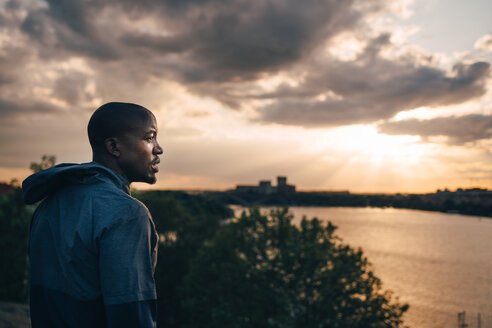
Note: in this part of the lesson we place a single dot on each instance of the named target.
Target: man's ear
(112, 146)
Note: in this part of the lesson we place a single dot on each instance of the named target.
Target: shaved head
(123, 137)
(113, 120)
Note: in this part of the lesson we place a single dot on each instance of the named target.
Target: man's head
(123, 136)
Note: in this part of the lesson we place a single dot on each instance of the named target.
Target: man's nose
(157, 148)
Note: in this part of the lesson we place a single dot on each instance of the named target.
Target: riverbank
(476, 202)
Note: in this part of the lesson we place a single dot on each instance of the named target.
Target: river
(439, 263)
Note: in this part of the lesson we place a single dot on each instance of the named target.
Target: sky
(360, 95)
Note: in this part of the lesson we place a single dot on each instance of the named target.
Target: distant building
(283, 187)
(265, 187)
(460, 196)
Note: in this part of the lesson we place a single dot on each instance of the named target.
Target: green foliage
(263, 271)
(184, 222)
(15, 218)
(47, 161)
(14, 230)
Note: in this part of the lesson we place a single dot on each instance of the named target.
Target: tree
(263, 271)
(14, 230)
(183, 222)
(47, 161)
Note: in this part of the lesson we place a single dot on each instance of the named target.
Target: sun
(363, 143)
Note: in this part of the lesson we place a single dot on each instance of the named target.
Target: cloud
(207, 46)
(221, 51)
(20, 107)
(234, 41)
(484, 43)
(71, 88)
(251, 37)
(59, 36)
(458, 129)
(371, 88)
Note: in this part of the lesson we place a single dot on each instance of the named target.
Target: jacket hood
(40, 185)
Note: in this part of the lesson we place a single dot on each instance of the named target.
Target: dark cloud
(458, 129)
(254, 36)
(219, 49)
(371, 88)
(155, 43)
(76, 15)
(232, 41)
(13, 55)
(58, 36)
(6, 17)
(242, 38)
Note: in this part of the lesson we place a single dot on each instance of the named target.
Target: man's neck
(109, 163)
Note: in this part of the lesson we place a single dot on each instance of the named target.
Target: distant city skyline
(367, 96)
(266, 187)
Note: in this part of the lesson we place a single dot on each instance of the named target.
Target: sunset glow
(366, 96)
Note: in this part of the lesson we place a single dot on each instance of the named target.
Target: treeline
(15, 218)
(442, 202)
(215, 270)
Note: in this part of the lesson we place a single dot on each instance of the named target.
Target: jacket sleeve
(134, 314)
(126, 259)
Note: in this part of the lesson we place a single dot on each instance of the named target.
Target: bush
(14, 231)
(262, 271)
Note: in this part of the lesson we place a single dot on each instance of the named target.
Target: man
(92, 246)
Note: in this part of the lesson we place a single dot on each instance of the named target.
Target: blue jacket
(93, 250)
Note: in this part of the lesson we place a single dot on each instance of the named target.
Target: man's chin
(151, 179)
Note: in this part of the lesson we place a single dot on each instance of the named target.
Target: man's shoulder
(109, 198)
(76, 177)
(100, 190)
(103, 200)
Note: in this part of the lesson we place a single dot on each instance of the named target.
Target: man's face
(139, 151)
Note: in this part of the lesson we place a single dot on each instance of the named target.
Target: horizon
(198, 190)
(387, 96)
(323, 191)
(141, 186)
